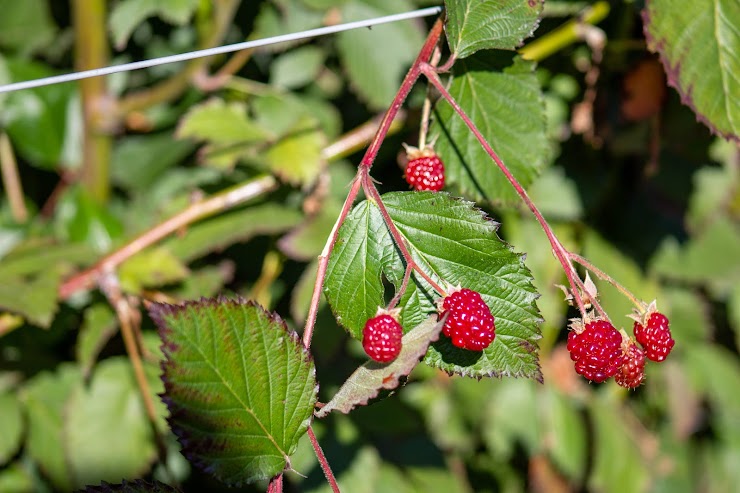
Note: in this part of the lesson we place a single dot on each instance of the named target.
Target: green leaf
(150, 268)
(137, 486)
(616, 451)
(37, 119)
(44, 398)
(238, 226)
(377, 59)
(474, 25)
(367, 381)
(508, 109)
(81, 219)
(564, 424)
(285, 17)
(34, 296)
(139, 160)
(217, 121)
(698, 43)
(297, 68)
(453, 243)
(297, 157)
(20, 19)
(127, 14)
(98, 326)
(107, 433)
(512, 416)
(240, 386)
(11, 426)
(15, 478)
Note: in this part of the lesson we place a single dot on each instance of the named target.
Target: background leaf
(698, 43)
(474, 25)
(458, 245)
(240, 387)
(127, 14)
(508, 109)
(11, 426)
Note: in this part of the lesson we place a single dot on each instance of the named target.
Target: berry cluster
(600, 351)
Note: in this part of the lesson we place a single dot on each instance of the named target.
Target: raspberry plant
(397, 295)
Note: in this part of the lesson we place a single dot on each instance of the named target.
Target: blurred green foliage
(637, 185)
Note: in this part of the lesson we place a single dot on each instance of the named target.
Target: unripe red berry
(469, 322)
(632, 372)
(381, 338)
(655, 336)
(596, 350)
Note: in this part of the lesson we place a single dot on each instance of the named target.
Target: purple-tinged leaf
(138, 486)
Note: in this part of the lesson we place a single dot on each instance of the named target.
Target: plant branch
(130, 321)
(558, 249)
(408, 82)
(219, 202)
(91, 51)
(322, 460)
(276, 484)
(11, 180)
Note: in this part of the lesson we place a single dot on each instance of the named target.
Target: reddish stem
(322, 460)
(408, 82)
(276, 484)
(372, 194)
(558, 249)
(606, 277)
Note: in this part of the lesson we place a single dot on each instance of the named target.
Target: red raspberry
(655, 336)
(632, 372)
(597, 350)
(425, 170)
(470, 324)
(381, 338)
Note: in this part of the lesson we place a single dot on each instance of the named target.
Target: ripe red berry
(425, 170)
(632, 372)
(597, 350)
(469, 324)
(655, 336)
(381, 338)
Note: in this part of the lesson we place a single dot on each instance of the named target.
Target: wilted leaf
(369, 379)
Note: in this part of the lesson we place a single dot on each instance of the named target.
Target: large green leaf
(377, 59)
(240, 386)
(454, 243)
(699, 45)
(474, 25)
(508, 109)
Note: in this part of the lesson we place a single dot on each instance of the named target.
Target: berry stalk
(606, 277)
(559, 250)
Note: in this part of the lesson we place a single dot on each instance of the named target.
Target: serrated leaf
(127, 14)
(698, 44)
(137, 486)
(11, 426)
(454, 243)
(508, 109)
(107, 433)
(239, 385)
(367, 381)
(376, 60)
(474, 25)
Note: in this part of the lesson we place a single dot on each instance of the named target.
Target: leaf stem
(606, 277)
(557, 247)
(322, 460)
(276, 484)
(11, 180)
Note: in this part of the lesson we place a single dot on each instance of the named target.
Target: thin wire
(57, 79)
